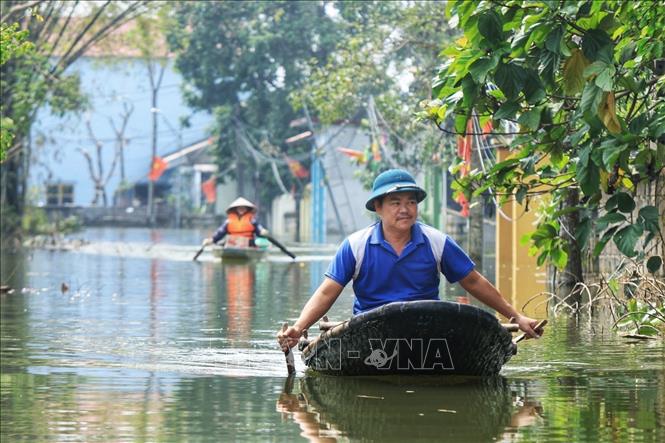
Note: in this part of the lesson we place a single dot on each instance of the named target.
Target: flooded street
(128, 339)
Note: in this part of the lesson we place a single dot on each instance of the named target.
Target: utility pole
(318, 195)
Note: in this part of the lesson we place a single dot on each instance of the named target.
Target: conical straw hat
(241, 202)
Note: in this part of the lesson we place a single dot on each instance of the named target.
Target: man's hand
(264, 232)
(527, 324)
(207, 242)
(289, 338)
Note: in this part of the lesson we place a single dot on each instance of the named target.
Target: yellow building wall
(517, 276)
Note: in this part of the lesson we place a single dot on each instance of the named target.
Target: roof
(196, 153)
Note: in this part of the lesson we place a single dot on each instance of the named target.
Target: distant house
(116, 80)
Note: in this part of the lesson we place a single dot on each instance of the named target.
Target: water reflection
(239, 280)
(406, 408)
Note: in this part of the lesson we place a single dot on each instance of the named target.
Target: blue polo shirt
(380, 276)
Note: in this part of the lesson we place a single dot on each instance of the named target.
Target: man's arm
(320, 302)
(478, 286)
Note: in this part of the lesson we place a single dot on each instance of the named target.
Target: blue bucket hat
(394, 180)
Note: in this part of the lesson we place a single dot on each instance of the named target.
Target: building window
(59, 194)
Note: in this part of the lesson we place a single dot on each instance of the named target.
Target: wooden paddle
(279, 245)
(203, 246)
(288, 354)
(541, 324)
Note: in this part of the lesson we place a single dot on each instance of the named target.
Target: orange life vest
(241, 226)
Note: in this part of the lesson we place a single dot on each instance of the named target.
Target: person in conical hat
(240, 223)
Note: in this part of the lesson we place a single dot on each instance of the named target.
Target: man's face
(398, 210)
(242, 210)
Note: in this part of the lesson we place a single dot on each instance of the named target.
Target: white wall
(348, 192)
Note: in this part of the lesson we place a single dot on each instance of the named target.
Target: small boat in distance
(238, 248)
(239, 253)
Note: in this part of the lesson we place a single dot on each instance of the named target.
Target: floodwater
(143, 344)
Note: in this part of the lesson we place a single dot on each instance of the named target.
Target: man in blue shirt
(397, 259)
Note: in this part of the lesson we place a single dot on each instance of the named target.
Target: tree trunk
(567, 289)
(12, 195)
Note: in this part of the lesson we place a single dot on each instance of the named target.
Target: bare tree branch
(7, 16)
(117, 21)
(62, 29)
(88, 159)
(80, 35)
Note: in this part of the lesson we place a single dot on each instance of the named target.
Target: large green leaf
(594, 68)
(604, 80)
(533, 87)
(611, 151)
(490, 26)
(530, 119)
(654, 263)
(609, 218)
(553, 41)
(510, 78)
(549, 66)
(625, 202)
(559, 258)
(626, 238)
(460, 123)
(603, 241)
(592, 96)
(507, 110)
(582, 232)
(481, 67)
(470, 90)
(597, 45)
(649, 217)
(587, 174)
(620, 200)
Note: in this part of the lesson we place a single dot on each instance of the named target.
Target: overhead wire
(374, 128)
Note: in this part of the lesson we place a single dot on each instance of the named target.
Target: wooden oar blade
(279, 245)
(288, 354)
(199, 252)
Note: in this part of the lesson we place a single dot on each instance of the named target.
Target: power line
(128, 137)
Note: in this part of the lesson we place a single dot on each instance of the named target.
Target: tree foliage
(241, 61)
(13, 43)
(385, 58)
(58, 34)
(576, 87)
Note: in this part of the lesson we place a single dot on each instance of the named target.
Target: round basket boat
(418, 337)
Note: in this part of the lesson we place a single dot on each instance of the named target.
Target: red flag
(297, 169)
(358, 155)
(158, 167)
(464, 146)
(209, 188)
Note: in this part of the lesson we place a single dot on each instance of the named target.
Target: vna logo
(409, 354)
